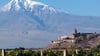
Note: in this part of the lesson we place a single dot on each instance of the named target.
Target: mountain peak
(21, 4)
(21, 0)
(27, 1)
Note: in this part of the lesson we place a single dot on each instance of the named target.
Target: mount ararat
(27, 23)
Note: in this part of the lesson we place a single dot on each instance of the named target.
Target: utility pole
(3, 52)
(64, 52)
(41, 52)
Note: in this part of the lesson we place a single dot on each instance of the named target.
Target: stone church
(76, 40)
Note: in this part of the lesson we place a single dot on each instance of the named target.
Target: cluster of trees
(71, 52)
(81, 52)
(52, 53)
(22, 52)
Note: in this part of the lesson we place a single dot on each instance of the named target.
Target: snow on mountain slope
(21, 4)
(29, 23)
(27, 6)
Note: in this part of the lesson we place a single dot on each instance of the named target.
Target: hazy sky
(78, 7)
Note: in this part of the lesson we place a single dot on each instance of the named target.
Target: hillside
(76, 41)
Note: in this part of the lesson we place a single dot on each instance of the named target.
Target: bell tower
(75, 31)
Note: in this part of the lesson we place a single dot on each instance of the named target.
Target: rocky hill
(76, 40)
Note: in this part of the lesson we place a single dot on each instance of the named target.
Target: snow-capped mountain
(22, 5)
(28, 6)
(28, 23)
